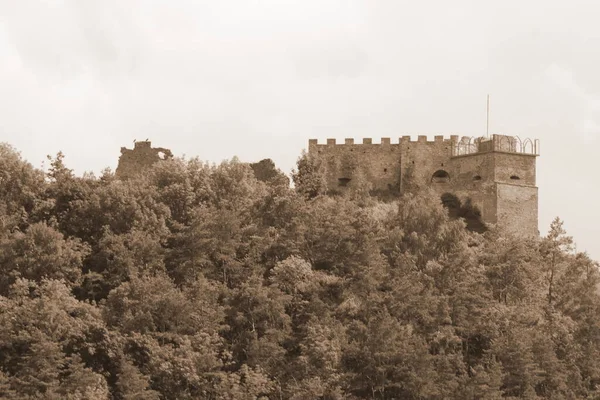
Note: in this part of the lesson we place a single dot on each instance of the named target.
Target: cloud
(589, 103)
(564, 79)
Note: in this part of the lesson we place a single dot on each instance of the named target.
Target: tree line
(200, 281)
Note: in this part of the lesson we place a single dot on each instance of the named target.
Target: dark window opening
(477, 178)
(514, 177)
(343, 181)
(385, 170)
(440, 176)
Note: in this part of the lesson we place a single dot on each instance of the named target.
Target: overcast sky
(257, 79)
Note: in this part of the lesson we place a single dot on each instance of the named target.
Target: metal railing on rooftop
(499, 143)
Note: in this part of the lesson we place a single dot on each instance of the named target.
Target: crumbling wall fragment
(137, 160)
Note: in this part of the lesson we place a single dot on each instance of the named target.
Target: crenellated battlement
(388, 141)
(465, 145)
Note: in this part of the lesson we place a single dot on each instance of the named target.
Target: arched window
(440, 176)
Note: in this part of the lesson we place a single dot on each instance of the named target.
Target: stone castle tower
(497, 174)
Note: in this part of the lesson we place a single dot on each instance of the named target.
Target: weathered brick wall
(473, 176)
(379, 163)
(515, 165)
(472, 171)
(518, 208)
(485, 200)
(386, 165)
(422, 158)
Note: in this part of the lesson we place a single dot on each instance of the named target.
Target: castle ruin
(143, 155)
(137, 160)
(497, 174)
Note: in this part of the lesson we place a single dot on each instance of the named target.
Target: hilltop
(198, 281)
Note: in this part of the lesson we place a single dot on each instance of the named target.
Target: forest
(224, 281)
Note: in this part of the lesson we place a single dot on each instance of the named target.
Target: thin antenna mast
(487, 122)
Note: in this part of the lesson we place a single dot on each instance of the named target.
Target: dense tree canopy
(198, 281)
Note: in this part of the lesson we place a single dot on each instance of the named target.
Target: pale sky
(257, 79)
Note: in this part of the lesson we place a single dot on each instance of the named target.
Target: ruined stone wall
(136, 161)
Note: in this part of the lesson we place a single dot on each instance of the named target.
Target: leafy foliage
(198, 281)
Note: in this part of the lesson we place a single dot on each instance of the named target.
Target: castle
(497, 173)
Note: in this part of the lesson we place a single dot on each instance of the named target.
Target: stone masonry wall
(509, 165)
(379, 164)
(518, 208)
(422, 158)
(473, 177)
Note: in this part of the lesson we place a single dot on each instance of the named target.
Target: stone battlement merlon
(146, 144)
(388, 141)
